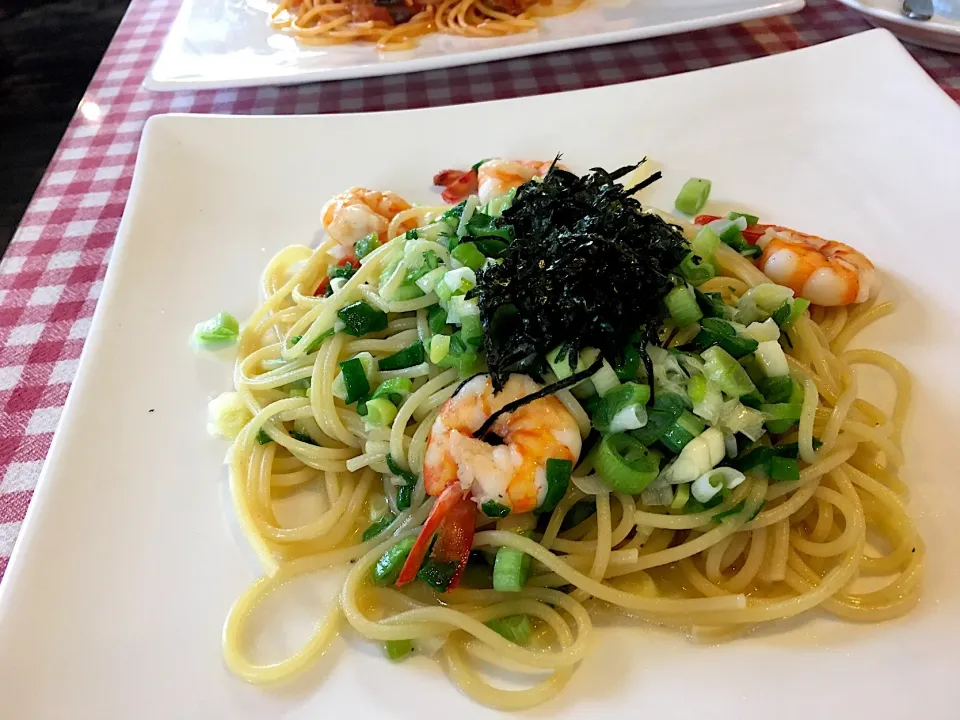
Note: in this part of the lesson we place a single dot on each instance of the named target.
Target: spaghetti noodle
(397, 24)
(765, 550)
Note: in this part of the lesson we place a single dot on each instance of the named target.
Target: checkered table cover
(52, 273)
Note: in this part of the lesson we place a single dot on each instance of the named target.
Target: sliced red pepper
(458, 183)
(452, 520)
(752, 234)
(455, 538)
(451, 496)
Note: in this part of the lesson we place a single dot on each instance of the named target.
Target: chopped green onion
(378, 526)
(681, 496)
(622, 409)
(471, 330)
(516, 628)
(625, 464)
(698, 456)
(361, 319)
(705, 243)
(262, 437)
(726, 373)
(762, 331)
(711, 304)
(355, 380)
(511, 568)
(397, 649)
(783, 411)
(778, 389)
(380, 412)
(684, 429)
(751, 251)
(408, 477)
(388, 567)
(579, 513)
(394, 389)
(452, 216)
(491, 247)
(404, 497)
(666, 409)
(682, 306)
(558, 480)
(437, 574)
(366, 245)
(731, 235)
(493, 509)
(439, 348)
(629, 364)
(784, 469)
(299, 392)
(436, 319)
(790, 311)
(751, 219)
(303, 437)
(707, 486)
(772, 360)
(697, 389)
(559, 361)
(217, 332)
(408, 357)
(469, 255)
(695, 270)
(482, 225)
(693, 196)
(714, 331)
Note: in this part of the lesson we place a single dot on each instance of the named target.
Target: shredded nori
(587, 269)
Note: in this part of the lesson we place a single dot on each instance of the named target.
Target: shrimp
(464, 471)
(356, 213)
(825, 272)
(514, 473)
(496, 177)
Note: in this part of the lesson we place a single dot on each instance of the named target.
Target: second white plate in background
(942, 32)
(229, 43)
(114, 600)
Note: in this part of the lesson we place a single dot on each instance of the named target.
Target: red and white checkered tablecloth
(52, 273)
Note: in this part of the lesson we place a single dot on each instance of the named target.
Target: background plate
(942, 32)
(228, 43)
(114, 600)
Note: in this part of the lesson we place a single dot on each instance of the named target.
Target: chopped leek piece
(682, 305)
(491, 508)
(366, 245)
(695, 270)
(388, 567)
(439, 348)
(408, 357)
(693, 196)
(397, 649)
(361, 319)
(469, 255)
(355, 380)
(378, 526)
(726, 373)
(624, 464)
(217, 332)
(750, 219)
(558, 480)
(511, 568)
(516, 628)
(380, 412)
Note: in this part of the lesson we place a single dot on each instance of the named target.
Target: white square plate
(228, 43)
(114, 600)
